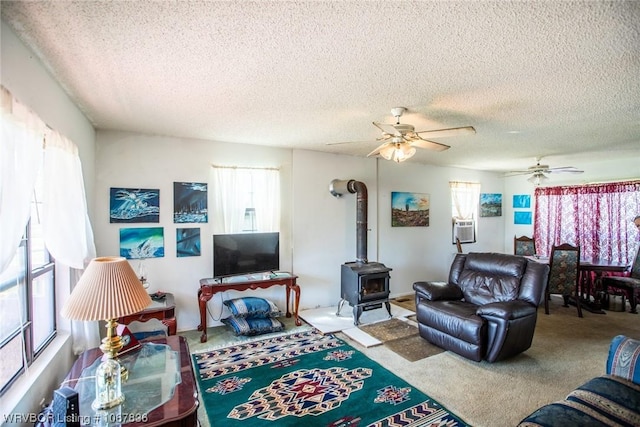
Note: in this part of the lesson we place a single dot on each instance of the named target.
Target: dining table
(590, 289)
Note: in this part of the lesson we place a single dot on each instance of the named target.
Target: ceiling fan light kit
(538, 178)
(401, 139)
(398, 152)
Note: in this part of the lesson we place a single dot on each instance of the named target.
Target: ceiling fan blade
(516, 173)
(441, 133)
(384, 137)
(387, 128)
(565, 169)
(377, 150)
(369, 141)
(429, 145)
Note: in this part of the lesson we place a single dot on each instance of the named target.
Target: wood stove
(364, 285)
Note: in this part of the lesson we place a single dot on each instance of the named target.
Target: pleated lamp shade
(108, 289)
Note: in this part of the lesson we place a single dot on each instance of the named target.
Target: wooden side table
(209, 287)
(178, 410)
(163, 310)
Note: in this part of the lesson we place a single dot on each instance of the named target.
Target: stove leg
(340, 304)
(388, 308)
(357, 311)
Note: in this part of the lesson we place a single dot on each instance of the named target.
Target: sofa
(607, 400)
(487, 309)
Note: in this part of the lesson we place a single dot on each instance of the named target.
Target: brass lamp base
(112, 344)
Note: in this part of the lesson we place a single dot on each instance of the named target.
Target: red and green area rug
(308, 379)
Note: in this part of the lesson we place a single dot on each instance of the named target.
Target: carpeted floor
(566, 352)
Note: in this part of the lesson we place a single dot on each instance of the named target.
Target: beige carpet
(566, 352)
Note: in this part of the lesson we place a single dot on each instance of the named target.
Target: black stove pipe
(339, 187)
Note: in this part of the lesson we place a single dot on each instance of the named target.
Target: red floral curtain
(597, 217)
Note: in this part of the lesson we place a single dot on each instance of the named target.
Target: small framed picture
(140, 243)
(522, 217)
(187, 242)
(189, 202)
(409, 209)
(134, 205)
(521, 201)
(490, 204)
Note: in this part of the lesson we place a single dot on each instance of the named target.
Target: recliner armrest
(434, 291)
(507, 310)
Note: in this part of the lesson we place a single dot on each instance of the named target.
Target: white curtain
(85, 334)
(20, 161)
(465, 198)
(67, 231)
(66, 227)
(236, 189)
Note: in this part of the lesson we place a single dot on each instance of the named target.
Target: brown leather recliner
(488, 308)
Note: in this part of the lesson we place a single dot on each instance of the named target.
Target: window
(246, 199)
(596, 217)
(27, 300)
(45, 191)
(465, 197)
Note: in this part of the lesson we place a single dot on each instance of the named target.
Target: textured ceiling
(543, 78)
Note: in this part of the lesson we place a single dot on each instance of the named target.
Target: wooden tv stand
(210, 286)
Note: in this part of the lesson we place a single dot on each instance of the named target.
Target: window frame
(30, 350)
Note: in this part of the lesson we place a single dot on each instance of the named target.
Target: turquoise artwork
(140, 243)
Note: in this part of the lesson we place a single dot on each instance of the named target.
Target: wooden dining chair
(564, 275)
(627, 285)
(459, 245)
(524, 246)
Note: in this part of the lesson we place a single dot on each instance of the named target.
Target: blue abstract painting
(522, 217)
(521, 201)
(134, 205)
(187, 242)
(140, 243)
(189, 202)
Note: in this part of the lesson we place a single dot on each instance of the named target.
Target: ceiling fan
(538, 172)
(401, 139)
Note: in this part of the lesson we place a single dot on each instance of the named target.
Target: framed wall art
(522, 217)
(521, 201)
(409, 209)
(140, 243)
(187, 242)
(134, 205)
(490, 204)
(189, 202)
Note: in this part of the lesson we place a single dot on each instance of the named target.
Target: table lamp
(108, 289)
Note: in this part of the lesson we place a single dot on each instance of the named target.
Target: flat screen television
(245, 253)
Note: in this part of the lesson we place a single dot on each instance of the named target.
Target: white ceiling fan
(538, 172)
(401, 139)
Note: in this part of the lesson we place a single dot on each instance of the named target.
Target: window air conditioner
(464, 230)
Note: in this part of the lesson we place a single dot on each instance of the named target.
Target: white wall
(319, 230)
(324, 227)
(425, 253)
(129, 160)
